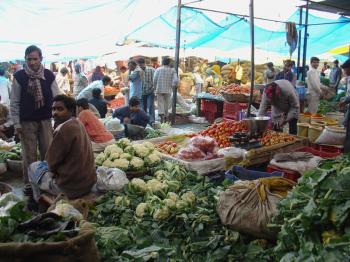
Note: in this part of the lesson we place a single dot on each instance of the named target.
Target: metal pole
(305, 40)
(177, 58)
(299, 40)
(251, 14)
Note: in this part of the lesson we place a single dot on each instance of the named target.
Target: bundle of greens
(314, 218)
(153, 133)
(326, 107)
(168, 217)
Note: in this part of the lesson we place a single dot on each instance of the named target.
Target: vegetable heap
(271, 138)
(169, 216)
(153, 133)
(129, 157)
(13, 154)
(314, 218)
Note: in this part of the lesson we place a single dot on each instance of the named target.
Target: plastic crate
(245, 174)
(327, 149)
(318, 153)
(209, 106)
(210, 116)
(230, 116)
(234, 107)
(286, 173)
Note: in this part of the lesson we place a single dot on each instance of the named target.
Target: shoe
(27, 190)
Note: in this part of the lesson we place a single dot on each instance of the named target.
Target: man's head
(314, 62)
(98, 69)
(287, 65)
(272, 91)
(2, 72)
(269, 65)
(82, 104)
(134, 104)
(77, 68)
(96, 93)
(33, 57)
(166, 61)
(123, 69)
(132, 65)
(64, 71)
(346, 67)
(63, 108)
(106, 80)
(336, 62)
(141, 62)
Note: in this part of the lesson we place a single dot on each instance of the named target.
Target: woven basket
(16, 166)
(235, 98)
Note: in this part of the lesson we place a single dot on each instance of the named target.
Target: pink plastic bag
(204, 143)
(191, 153)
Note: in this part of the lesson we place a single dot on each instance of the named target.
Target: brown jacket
(70, 158)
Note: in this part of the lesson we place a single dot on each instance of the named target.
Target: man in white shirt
(62, 80)
(5, 87)
(314, 86)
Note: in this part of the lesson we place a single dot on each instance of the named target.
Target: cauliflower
(149, 145)
(173, 196)
(136, 163)
(140, 150)
(189, 197)
(114, 156)
(123, 143)
(108, 163)
(126, 156)
(100, 159)
(169, 203)
(122, 201)
(141, 209)
(66, 210)
(161, 213)
(155, 185)
(181, 205)
(161, 174)
(130, 150)
(112, 149)
(152, 159)
(173, 185)
(138, 185)
(122, 164)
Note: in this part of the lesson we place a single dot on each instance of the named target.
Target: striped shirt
(165, 79)
(147, 81)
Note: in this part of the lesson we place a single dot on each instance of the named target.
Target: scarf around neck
(34, 86)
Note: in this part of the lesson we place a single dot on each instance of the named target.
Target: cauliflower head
(122, 164)
(138, 185)
(114, 156)
(112, 149)
(123, 143)
(189, 197)
(126, 156)
(100, 159)
(108, 163)
(173, 185)
(152, 159)
(173, 196)
(140, 150)
(130, 150)
(155, 185)
(149, 145)
(161, 174)
(181, 205)
(169, 203)
(161, 213)
(122, 201)
(136, 163)
(141, 209)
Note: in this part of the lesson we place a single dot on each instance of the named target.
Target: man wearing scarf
(283, 99)
(32, 95)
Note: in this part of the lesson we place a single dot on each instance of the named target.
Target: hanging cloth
(292, 37)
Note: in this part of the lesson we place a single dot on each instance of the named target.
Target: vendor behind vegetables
(283, 99)
(69, 165)
(346, 101)
(132, 113)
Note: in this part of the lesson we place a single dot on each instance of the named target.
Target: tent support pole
(305, 41)
(299, 40)
(177, 59)
(252, 77)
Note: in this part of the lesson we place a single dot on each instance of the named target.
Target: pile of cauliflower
(162, 197)
(129, 157)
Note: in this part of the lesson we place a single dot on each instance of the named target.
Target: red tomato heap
(168, 147)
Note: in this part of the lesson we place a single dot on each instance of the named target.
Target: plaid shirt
(165, 79)
(147, 81)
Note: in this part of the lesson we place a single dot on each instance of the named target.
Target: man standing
(100, 84)
(80, 80)
(69, 165)
(346, 101)
(314, 86)
(5, 87)
(287, 73)
(269, 73)
(165, 79)
(335, 76)
(98, 102)
(136, 76)
(32, 93)
(147, 89)
(62, 80)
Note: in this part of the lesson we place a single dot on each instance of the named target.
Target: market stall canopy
(341, 7)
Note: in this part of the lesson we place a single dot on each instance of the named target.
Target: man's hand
(126, 120)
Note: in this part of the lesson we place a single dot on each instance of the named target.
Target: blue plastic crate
(245, 174)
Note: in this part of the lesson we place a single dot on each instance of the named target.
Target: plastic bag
(248, 206)
(204, 143)
(191, 153)
(112, 124)
(233, 152)
(332, 136)
(197, 120)
(112, 179)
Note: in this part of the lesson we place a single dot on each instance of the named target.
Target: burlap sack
(81, 248)
(242, 208)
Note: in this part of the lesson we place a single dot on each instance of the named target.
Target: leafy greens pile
(169, 216)
(314, 218)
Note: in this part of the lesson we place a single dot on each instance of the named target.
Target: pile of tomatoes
(168, 147)
(236, 89)
(221, 132)
(271, 138)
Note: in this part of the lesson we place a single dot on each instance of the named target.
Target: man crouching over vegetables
(69, 165)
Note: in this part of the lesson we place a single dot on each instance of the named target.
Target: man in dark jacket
(98, 102)
(32, 93)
